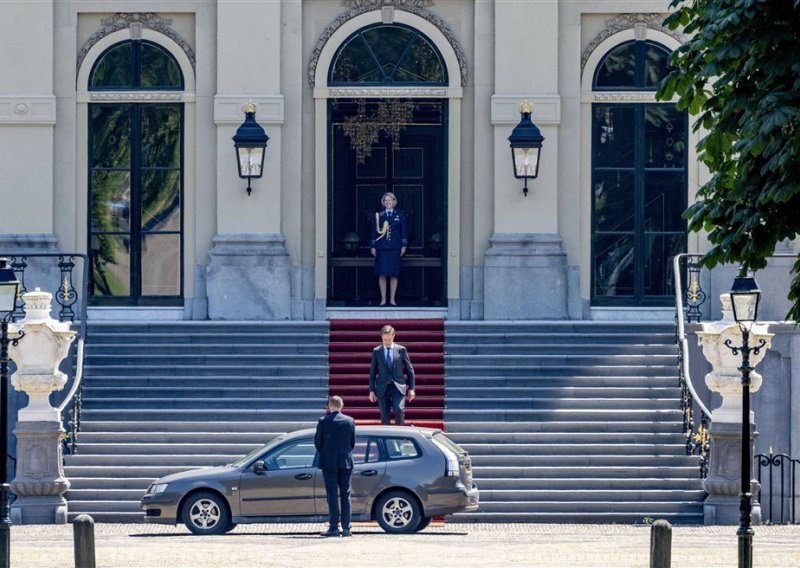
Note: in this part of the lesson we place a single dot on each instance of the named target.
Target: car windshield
(450, 444)
(261, 449)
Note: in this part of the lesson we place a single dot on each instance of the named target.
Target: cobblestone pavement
(450, 545)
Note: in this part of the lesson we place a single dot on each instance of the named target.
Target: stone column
(723, 483)
(39, 483)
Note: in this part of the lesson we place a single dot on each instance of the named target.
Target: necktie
(389, 357)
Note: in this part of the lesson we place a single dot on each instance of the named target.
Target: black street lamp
(250, 142)
(745, 297)
(526, 146)
(9, 288)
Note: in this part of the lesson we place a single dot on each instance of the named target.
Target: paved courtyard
(451, 545)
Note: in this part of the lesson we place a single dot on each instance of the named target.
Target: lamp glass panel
(8, 297)
(526, 162)
(744, 306)
(251, 161)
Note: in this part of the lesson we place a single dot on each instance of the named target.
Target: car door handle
(303, 476)
(369, 473)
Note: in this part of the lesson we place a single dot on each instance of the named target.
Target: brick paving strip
(451, 545)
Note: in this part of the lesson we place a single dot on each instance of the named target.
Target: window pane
(114, 69)
(296, 455)
(388, 43)
(614, 199)
(159, 69)
(613, 265)
(111, 264)
(665, 137)
(665, 201)
(420, 65)
(656, 64)
(613, 136)
(355, 64)
(161, 135)
(161, 266)
(618, 68)
(659, 250)
(161, 200)
(111, 201)
(110, 133)
(401, 448)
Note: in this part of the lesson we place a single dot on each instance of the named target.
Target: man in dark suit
(387, 383)
(335, 439)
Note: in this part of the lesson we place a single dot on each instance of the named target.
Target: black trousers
(337, 489)
(395, 400)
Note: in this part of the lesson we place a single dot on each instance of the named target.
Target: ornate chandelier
(364, 128)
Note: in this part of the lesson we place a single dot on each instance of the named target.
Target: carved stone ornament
(624, 97)
(624, 22)
(386, 92)
(416, 7)
(136, 97)
(123, 20)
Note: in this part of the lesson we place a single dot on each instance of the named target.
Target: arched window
(136, 178)
(639, 180)
(387, 54)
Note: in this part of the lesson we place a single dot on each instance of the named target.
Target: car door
(368, 472)
(286, 487)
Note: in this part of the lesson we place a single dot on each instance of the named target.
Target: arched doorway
(392, 144)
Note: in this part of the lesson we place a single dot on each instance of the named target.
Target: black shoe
(346, 532)
(331, 532)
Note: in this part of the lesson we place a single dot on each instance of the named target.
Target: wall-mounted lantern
(250, 142)
(526, 146)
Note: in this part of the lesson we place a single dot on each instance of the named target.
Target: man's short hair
(336, 402)
(387, 329)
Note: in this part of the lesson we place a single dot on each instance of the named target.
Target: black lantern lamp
(9, 288)
(526, 146)
(745, 297)
(250, 142)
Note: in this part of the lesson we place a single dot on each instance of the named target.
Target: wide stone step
(222, 427)
(462, 368)
(619, 461)
(109, 483)
(195, 370)
(213, 415)
(582, 483)
(456, 382)
(183, 462)
(516, 358)
(456, 427)
(177, 449)
(554, 327)
(559, 415)
(488, 440)
(117, 495)
(552, 403)
(313, 402)
(583, 449)
(605, 506)
(123, 471)
(585, 495)
(188, 381)
(172, 360)
(573, 471)
(691, 517)
(107, 517)
(169, 437)
(202, 349)
(541, 392)
(112, 506)
(596, 348)
(218, 329)
(290, 395)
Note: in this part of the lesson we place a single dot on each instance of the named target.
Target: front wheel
(206, 513)
(398, 513)
(423, 524)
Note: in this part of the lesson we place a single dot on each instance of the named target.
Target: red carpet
(350, 353)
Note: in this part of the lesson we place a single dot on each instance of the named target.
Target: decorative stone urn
(723, 483)
(39, 483)
(725, 376)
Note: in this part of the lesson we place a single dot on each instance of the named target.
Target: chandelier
(364, 128)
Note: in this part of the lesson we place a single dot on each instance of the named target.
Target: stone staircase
(161, 398)
(571, 422)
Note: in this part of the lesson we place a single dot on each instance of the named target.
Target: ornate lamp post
(745, 297)
(526, 146)
(9, 288)
(250, 142)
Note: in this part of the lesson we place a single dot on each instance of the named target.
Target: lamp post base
(725, 510)
(45, 510)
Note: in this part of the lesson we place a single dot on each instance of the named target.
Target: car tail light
(452, 468)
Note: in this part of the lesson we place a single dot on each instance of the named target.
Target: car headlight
(157, 488)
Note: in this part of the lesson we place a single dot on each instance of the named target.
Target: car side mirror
(259, 467)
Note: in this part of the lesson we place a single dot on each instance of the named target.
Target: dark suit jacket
(335, 439)
(380, 375)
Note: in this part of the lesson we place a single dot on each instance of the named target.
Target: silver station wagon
(402, 477)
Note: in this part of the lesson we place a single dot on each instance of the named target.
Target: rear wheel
(206, 513)
(423, 524)
(398, 512)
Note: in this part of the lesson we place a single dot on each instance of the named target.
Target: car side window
(295, 455)
(365, 451)
(401, 448)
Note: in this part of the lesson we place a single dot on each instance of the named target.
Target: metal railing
(786, 467)
(696, 431)
(67, 296)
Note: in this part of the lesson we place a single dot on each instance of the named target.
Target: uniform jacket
(396, 234)
(380, 375)
(335, 439)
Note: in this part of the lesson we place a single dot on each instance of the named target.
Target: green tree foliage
(740, 74)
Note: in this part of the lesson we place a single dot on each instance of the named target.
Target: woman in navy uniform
(389, 243)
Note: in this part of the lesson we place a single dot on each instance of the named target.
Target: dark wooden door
(414, 170)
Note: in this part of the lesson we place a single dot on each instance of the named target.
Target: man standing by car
(335, 439)
(387, 384)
